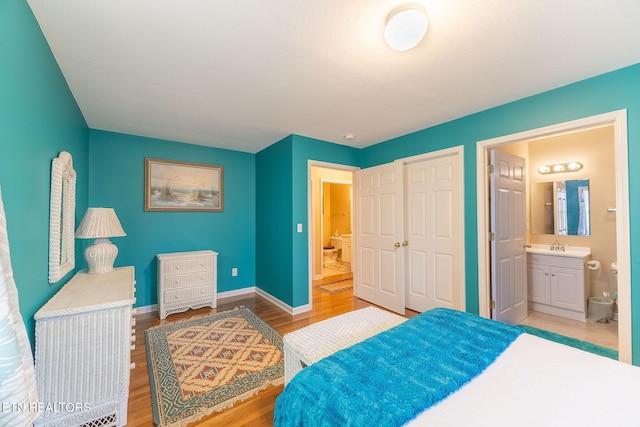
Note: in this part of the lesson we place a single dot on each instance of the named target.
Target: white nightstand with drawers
(186, 280)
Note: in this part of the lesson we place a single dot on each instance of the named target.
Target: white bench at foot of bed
(314, 342)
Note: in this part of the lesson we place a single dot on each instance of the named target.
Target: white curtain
(18, 393)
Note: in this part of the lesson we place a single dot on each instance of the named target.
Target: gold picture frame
(182, 186)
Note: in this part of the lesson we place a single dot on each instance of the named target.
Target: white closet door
(433, 224)
(378, 232)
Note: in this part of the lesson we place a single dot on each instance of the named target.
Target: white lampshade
(406, 25)
(100, 224)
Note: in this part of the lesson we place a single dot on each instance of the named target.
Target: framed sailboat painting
(182, 186)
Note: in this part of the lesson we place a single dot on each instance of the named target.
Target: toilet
(330, 253)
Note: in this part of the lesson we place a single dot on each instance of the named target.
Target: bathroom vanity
(346, 248)
(558, 280)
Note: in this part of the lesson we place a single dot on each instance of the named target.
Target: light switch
(299, 228)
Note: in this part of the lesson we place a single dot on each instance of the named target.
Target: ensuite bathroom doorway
(593, 141)
(335, 211)
(330, 225)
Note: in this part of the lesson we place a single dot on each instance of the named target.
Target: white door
(378, 232)
(508, 253)
(433, 227)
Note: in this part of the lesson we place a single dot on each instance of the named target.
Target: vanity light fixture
(405, 26)
(560, 167)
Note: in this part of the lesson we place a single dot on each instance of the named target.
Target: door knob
(405, 243)
(396, 244)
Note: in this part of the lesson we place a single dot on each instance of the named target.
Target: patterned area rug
(335, 287)
(204, 365)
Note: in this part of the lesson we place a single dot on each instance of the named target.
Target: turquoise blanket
(388, 379)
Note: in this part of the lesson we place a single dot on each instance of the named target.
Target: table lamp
(100, 224)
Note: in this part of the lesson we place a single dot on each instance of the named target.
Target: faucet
(556, 246)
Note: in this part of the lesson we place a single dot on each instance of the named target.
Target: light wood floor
(258, 411)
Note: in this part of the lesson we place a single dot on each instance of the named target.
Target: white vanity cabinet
(186, 280)
(346, 248)
(558, 285)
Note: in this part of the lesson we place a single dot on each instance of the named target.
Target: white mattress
(537, 382)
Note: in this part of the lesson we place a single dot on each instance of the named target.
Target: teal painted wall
(282, 186)
(609, 92)
(116, 165)
(274, 219)
(38, 119)
(305, 149)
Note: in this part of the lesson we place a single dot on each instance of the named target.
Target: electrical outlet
(234, 271)
(299, 228)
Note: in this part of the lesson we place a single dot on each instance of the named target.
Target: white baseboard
(146, 309)
(236, 292)
(286, 307)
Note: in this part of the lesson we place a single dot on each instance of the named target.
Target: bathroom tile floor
(335, 268)
(604, 334)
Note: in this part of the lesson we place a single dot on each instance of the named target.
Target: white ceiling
(243, 74)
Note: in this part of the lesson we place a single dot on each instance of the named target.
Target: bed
(449, 368)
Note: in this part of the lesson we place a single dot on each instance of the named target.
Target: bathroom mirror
(561, 208)
(62, 217)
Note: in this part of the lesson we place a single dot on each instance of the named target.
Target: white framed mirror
(62, 217)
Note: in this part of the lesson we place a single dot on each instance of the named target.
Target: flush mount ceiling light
(406, 25)
(560, 167)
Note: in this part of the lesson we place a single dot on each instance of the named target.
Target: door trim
(619, 121)
(326, 165)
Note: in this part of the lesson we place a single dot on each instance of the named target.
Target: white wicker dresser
(84, 337)
(186, 280)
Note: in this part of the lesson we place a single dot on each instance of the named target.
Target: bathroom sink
(569, 251)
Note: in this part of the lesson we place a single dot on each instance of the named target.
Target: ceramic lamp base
(100, 256)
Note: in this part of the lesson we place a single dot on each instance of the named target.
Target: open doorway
(620, 210)
(335, 227)
(330, 225)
